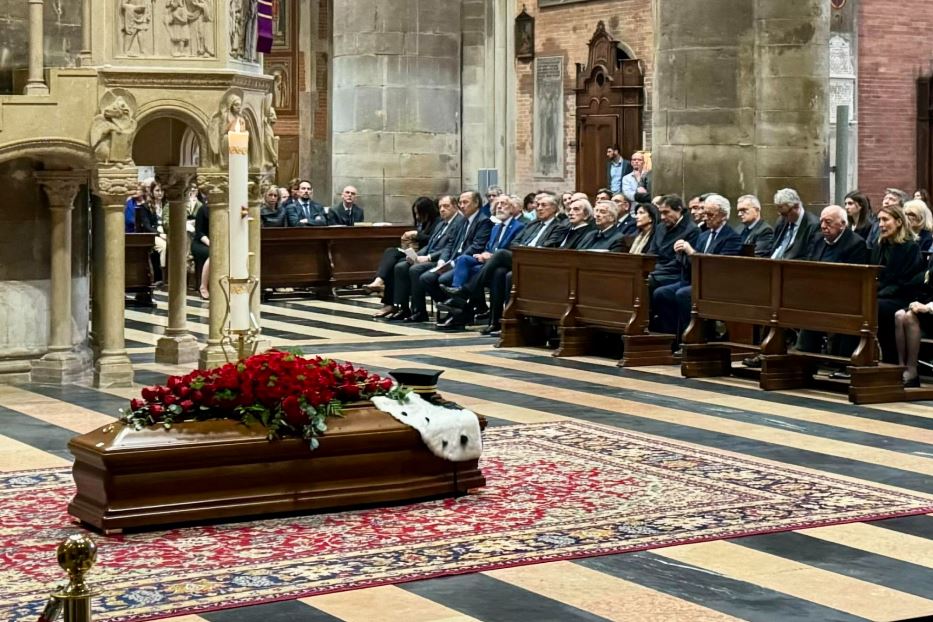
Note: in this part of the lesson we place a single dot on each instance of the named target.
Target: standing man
(617, 167)
(303, 212)
(348, 213)
(638, 182)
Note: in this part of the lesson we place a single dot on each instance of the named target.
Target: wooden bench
(584, 292)
(782, 295)
(138, 267)
(323, 257)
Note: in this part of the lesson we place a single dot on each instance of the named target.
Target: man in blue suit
(671, 303)
(501, 237)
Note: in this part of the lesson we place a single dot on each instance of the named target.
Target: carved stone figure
(112, 130)
(200, 13)
(136, 20)
(186, 22)
(224, 120)
(270, 142)
(242, 29)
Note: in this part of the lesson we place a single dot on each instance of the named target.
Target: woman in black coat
(201, 249)
(426, 217)
(858, 208)
(901, 276)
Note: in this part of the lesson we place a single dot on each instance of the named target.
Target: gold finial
(76, 555)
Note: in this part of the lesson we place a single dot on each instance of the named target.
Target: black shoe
(399, 316)
(452, 304)
(489, 330)
(752, 361)
(912, 383)
(453, 291)
(417, 318)
(495, 333)
(451, 324)
(482, 316)
(841, 374)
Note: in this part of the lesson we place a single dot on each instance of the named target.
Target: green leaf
(313, 443)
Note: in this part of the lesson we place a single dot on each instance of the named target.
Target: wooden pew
(139, 281)
(585, 292)
(324, 257)
(781, 295)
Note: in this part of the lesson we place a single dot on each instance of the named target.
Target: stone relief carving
(840, 57)
(135, 24)
(189, 27)
(842, 77)
(215, 185)
(228, 114)
(270, 142)
(242, 30)
(113, 128)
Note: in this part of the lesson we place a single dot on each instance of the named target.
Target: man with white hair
(795, 230)
(580, 219)
(755, 231)
(606, 236)
(671, 303)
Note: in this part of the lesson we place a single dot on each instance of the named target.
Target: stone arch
(194, 118)
(61, 152)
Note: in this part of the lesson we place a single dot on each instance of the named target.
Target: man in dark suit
(795, 230)
(676, 225)
(545, 232)
(605, 236)
(837, 244)
(501, 237)
(348, 213)
(580, 219)
(303, 212)
(670, 303)
(755, 232)
(471, 239)
(409, 295)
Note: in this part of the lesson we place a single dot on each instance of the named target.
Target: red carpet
(556, 491)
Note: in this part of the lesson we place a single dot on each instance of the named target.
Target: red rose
(136, 404)
(156, 410)
(350, 392)
(173, 382)
(294, 415)
(168, 400)
(183, 391)
(187, 405)
(150, 394)
(197, 397)
(385, 384)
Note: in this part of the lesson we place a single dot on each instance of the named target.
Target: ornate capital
(61, 187)
(214, 184)
(115, 185)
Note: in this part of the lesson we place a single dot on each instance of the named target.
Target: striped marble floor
(868, 571)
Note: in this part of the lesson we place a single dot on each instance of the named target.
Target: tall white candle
(238, 159)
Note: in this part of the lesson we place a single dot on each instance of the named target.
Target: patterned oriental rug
(556, 491)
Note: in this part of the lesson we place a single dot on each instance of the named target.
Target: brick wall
(565, 31)
(894, 48)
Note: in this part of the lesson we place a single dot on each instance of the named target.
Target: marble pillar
(740, 98)
(396, 102)
(84, 56)
(63, 363)
(112, 367)
(177, 346)
(35, 83)
(255, 257)
(215, 185)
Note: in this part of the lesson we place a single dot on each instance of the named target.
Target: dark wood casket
(222, 469)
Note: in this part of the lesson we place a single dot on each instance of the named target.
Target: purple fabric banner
(264, 26)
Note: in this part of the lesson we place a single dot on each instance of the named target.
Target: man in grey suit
(754, 231)
(795, 230)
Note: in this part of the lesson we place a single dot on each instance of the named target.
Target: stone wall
(894, 49)
(565, 31)
(396, 102)
(62, 37)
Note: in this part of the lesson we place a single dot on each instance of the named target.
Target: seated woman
(901, 275)
(646, 219)
(921, 222)
(272, 214)
(910, 324)
(858, 209)
(426, 217)
(200, 249)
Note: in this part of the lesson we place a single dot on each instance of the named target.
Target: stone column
(215, 186)
(740, 98)
(35, 84)
(177, 346)
(396, 102)
(84, 56)
(255, 255)
(62, 364)
(112, 367)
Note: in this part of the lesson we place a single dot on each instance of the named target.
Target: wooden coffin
(222, 469)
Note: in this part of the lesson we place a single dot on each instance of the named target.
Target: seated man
(580, 214)
(471, 239)
(675, 226)
(836, 244)
(606, 236)
(755, 231)
(795, 230)
(670, 303)
(546, 232)
(303, 212)
(466, 266)
(348, 213)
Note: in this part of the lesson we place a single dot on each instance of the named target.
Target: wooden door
(609, 108)
(925, 133)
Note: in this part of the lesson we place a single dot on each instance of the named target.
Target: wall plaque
(548, 142)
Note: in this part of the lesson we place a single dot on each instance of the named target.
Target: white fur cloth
(449, 433)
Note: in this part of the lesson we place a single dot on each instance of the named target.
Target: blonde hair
(919, 209)
(647, 156)
(904, 233)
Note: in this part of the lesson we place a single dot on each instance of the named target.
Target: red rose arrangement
(289, 394)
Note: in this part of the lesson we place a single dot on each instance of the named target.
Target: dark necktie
(306, 210)
(709, 241)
